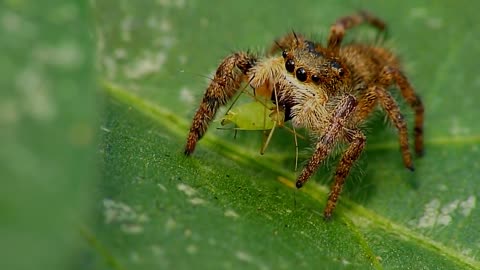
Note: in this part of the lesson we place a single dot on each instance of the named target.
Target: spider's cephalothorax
(329, 90)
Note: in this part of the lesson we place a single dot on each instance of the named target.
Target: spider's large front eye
(301, 74)
(290, 65)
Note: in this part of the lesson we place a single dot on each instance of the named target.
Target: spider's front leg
(331, 135)
(335, 131)
(226, 82)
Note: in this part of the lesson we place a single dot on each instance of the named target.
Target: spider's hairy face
(321, 71)
(310, 79)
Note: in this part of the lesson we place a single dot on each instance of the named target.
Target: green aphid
(253, 116)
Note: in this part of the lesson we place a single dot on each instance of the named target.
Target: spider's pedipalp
(228, 77)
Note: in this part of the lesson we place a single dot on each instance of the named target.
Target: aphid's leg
(393, 112)
(222, 88)
(416, 104)
(296, 148)
(277, 121)
(357, 142)
(288, 41)
(331, 135)
(338, 29)
(267, 141)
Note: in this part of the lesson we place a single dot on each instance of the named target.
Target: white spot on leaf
(186, 96)
(120, 213)
(436, 215)
(188, 190)
(468, 205)
(192, 249)
(165, 25)
(243, 256)
(33, 87)
(197, 201)
(131, 228)
(67, 55)
(162, 187)
(231, 213)
(147, 65)
(444, 218)
(430, 215)
(120, 53)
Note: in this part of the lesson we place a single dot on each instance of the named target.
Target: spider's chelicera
(329, 90)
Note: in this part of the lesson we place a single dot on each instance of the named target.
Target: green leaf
(229, 207)
(47, 131)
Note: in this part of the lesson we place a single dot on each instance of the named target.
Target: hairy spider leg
(338, 29)
(357, 143)
(228, 77)
(331, 136)
(415, 103)
(388, 77)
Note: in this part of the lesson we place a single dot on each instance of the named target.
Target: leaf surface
(229, 207)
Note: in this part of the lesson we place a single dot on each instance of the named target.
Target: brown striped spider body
(329, 90)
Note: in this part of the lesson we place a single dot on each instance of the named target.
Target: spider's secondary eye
(284, 54)
(338, 67)
(335, 64)
(301, 74)
(315, 78)
(290, 65)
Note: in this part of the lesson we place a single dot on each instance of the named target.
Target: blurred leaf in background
(47, 132)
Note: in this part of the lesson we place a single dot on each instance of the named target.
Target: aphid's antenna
(196, 74)
(236, 98)
(267, 142)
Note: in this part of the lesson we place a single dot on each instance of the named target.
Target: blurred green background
(96, 101)
(48, 122)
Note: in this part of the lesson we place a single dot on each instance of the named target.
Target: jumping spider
(329, 90)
